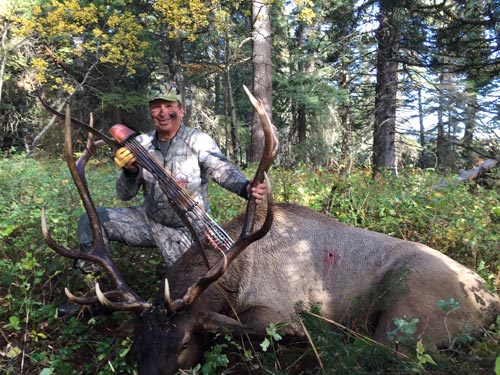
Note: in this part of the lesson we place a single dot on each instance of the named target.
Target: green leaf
(496, 211)
(124, 352)
(14, 323)
(265, 344)
(248, 354)
(426, 358)
(448, 305)
(272, 330)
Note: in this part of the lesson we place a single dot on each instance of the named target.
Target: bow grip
(121, 133)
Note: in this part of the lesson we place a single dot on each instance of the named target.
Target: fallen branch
(478, 170)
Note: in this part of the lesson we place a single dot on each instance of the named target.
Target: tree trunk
(232, 110)
(421, 162)
(262, 81)
(3, 55)
(471, 108)
(441, 151)
(345, 122)
(384, 134)
(171, 68)
(307, 70)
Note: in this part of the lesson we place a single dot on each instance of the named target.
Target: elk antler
(98, 252)
(246, 237)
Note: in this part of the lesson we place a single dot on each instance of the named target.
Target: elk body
(352, 273)
(297, 256)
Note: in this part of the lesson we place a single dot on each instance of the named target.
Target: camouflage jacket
(191, 158)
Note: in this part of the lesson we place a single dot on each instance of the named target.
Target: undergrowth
(459, 219)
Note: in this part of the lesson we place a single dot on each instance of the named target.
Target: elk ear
(214, 322)
(129, 328)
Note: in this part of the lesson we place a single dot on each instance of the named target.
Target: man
(190, 156)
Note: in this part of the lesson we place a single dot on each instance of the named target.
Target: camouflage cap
(165, 91)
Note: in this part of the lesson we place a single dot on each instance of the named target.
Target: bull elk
(297, 255)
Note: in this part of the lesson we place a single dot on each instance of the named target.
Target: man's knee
(85, 228)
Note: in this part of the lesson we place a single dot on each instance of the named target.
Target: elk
(297, 256)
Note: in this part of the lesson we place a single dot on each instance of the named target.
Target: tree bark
(262, 81)
(442, 142)
(3, 55)
(471, 109)
(304, 36)
(421, 161)
(384, 134)
(233, 128)
(345, 122)
(475, 172)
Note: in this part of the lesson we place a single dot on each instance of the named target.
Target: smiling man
(167, 116)
(192, 158)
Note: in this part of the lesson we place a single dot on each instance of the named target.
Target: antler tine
(78, 174)
(246, 237)
(117, 306)
(166, 295)
(91, 300)
(90, 149)
(271, 147)
(98, 252)
(203, 283)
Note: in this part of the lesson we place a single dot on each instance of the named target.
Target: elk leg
(404, 309)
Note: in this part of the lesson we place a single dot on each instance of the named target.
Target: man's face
(167, 117)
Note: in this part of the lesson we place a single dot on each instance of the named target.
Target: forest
(388, 118)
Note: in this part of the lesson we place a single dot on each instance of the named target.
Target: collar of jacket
(156, 142)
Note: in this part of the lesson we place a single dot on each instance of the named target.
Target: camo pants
(131, 226)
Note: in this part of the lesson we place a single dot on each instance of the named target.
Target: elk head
(164, 336)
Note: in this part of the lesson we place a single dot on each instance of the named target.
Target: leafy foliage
(80, 30)
(458, 219)
(31, 275)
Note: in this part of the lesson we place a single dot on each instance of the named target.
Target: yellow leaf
(13, 352)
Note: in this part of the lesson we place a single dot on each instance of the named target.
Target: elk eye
(185, 345)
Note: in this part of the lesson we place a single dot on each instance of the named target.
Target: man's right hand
(125, 159)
